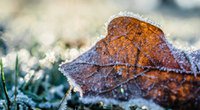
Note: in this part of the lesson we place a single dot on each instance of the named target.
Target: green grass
(4, 85)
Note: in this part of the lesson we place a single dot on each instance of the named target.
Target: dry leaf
(135, 60)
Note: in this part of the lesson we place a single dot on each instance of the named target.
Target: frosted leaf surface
(135, 60)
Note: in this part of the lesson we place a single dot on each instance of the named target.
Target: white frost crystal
(131, 14)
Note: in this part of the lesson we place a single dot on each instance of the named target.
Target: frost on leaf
(135, 60)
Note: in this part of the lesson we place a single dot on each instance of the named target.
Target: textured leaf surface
(135, 60)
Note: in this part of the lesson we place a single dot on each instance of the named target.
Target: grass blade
(4, 85)
(63, 103)
(16, 77)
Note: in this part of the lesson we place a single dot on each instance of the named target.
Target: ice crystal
(24, 99)
(131, 14)
(106, 101)
(3, 105)
(142, 103)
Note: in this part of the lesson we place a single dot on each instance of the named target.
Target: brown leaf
(135, 60)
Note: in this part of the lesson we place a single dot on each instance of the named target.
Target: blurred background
(24, 23)
(45, 33)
